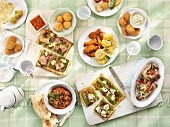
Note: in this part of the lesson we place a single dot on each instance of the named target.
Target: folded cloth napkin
(13, 61)
(138, 62)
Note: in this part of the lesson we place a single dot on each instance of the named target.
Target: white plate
(84, 37)
(18, 5)
(152, 97)
(142, 30)
(104, 13)
(3, 45)
(44, 87)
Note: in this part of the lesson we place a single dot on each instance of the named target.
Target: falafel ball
(127, 16)
(10, 44)
(66, 25)
(60, 19)
(18, 47)
(130, 29)
(122, 22)
(67, 16)
(13, 20)
(58, 27)
(9, 51)
(18, 14)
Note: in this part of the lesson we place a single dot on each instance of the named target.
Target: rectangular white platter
(34, 49)
(124, 107)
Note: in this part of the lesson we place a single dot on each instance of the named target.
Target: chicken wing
(91, 42)
(89, 49)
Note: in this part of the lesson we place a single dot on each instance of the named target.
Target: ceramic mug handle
(2, 108)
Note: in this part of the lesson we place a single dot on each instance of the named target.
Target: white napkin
(15, 61)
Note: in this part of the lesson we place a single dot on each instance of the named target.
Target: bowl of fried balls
(62, 21)
(126, 28)
(12, 46)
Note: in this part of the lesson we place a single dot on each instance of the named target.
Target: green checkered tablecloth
(159, 20)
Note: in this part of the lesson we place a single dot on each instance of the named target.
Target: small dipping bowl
(138, 20)
(83, 12)
(6, 77)
(26, 67)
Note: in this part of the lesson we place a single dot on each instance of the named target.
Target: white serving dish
(52, 21)
(55, 110)
(84, 37)
(18, 5)
(104, 13)
(41, 27)
(3, 45)
(143, 30)
(152, 97)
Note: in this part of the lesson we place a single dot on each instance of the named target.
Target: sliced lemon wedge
(117, 2)
(100, 54)
(107, 37)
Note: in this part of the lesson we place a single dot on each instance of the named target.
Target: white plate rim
(146, 25)
(84, 35)
(104, 13)
(19, 38)
(24, 5)
(152, 97)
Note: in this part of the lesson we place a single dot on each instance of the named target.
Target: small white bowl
(83, 12)
(3, 45)
(41, 27)
(138, 26)
(12, 72)
(60, 111)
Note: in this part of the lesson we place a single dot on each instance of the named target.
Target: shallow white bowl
(3, 45)
(60, 111)
(152, 97)
(12, 71)
(52, 21)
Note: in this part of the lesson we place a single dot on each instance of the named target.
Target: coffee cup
(83, 12)
(155, 43)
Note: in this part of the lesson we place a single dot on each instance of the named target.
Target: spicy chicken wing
(91, 42)
(89, 49)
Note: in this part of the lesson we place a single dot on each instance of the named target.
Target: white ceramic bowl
(152, 97)
(3, 45)
(60, 111)
(52, 21)
(141, 13)
(12, 72)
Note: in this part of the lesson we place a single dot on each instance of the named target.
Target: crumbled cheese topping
(91, 96)
(53, 62)
(112, 97)
(106, 107)
(46, 53)
(63, 60)
(104, 89)
(98, 109)
(103, 113)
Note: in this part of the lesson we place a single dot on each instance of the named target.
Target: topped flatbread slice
(51, 41)
(108, 90)
(53, 63)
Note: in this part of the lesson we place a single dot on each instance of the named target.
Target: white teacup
(155, 43)
(83, 12)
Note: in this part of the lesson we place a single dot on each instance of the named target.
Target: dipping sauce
(137, 19)
(59, 97)
(37, 22)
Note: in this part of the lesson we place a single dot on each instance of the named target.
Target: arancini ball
(67, 16)
(10, 44)
(122, 22)
(12, 38)
(127, 16)
(130, 29)
(58, 27)
(66, 25)
(9, 51)
(60, 19)
(18, 47)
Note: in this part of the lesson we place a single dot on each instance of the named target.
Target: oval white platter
(84, 37)
(142, 30)
(18, 5)
(104, 13)
(152, 97)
